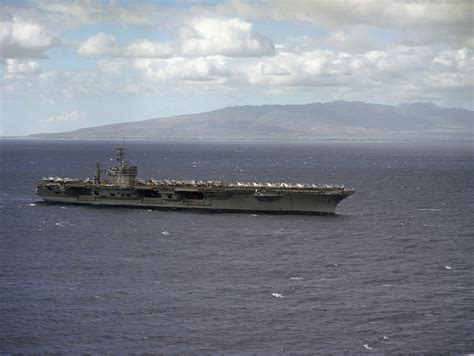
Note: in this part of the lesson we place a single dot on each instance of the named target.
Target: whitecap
(277, 295)
(253, 215)
(31, 204)
(296, 278)
(58, 224)
(367, 347)
(448, 267)
(430, 209)
(63, 207)
(165, 233)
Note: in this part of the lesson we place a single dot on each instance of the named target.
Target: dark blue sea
(392, 273)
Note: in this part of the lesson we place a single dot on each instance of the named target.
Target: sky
(66, 65)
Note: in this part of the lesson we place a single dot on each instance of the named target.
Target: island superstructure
(123, 188)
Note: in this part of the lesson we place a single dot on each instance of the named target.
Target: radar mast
(120, 154)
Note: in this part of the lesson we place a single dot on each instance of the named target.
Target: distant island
(316, 121)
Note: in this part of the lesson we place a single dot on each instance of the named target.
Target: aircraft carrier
(121, 187)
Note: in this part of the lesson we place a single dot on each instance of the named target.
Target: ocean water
(391, 273)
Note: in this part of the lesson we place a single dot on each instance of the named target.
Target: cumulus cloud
(183, 69)
(86, 11)
(199, 37)
(459, 59)
(399, 72)
(23, 38)
(395, 67)
(422, 21)
(406, 73)
(99, 45)
(15, 67)
(382, 13)
(103, 44)
(273, 69)
(74, 115)
(112, 67)
(29, 31)
(146, 49)
(378, 49)
(227, 37)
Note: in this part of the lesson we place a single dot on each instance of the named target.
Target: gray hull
(209, 200)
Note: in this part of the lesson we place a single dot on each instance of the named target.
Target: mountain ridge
(336, 119)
